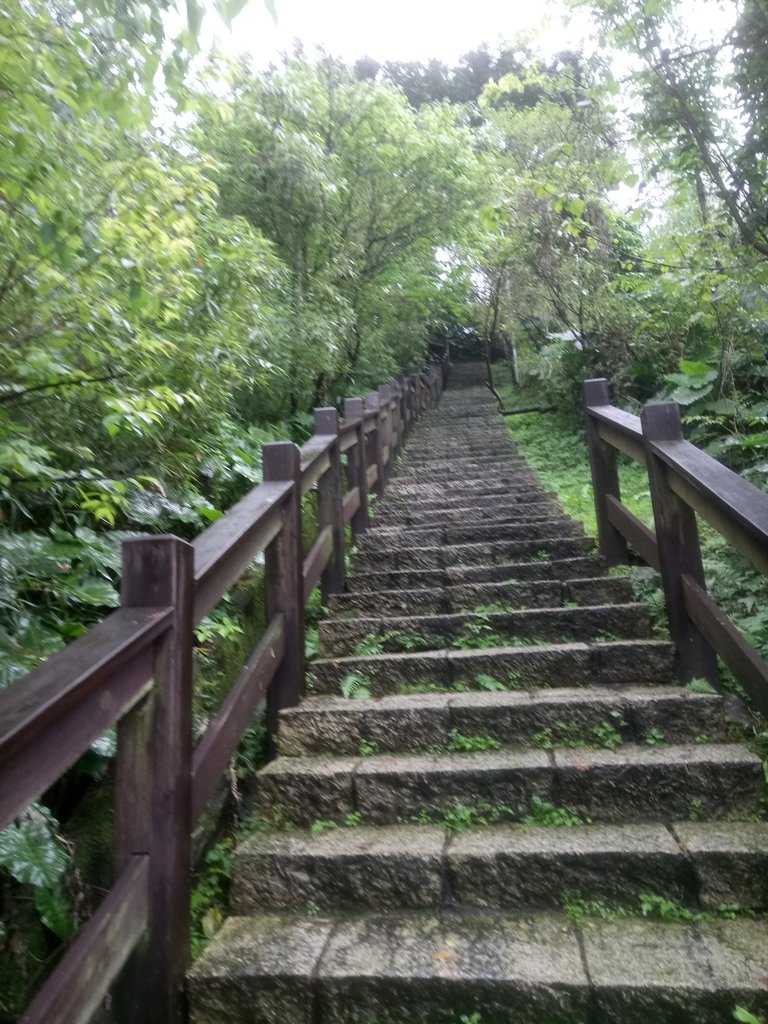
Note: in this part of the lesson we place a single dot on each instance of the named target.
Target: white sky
(406, 30)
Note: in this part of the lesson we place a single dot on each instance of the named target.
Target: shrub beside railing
(134, 670)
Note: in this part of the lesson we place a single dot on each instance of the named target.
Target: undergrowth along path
(497, 805)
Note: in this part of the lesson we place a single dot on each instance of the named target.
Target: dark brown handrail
(684, 481)
(134, 670)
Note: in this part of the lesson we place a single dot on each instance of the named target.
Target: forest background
(195, 253)
(174, 290)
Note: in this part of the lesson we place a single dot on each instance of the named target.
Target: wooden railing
(134, 670)
(684, 481)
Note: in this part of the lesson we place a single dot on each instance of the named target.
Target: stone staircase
(515, 816)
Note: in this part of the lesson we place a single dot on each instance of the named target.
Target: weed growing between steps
(649, 905)
(745, 1017)
(393, 641)
(551, 816)
(571, 734)
(352, 820)
(355, 686)
(210, 895)
(458, 743)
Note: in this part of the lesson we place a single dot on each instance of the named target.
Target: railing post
(385, 419)
(153, 802)
(330, 510)
(357, 465)
(284, 564)
(397, 426)
(677, 537)
(605, 476)
(373, 404)
(407, 403)
(402, 410)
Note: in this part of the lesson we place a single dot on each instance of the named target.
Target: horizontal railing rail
(684, 482)
(134, 670)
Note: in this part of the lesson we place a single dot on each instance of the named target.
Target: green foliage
(695, 809)
(34, 854)
(322, 825)
(607, 734)
(700, 686)
(477, 634)
(369, 645)
(458, 743)
(745, 1017)
(460, 816)
(490, 683)
(578, 910)
(418, 686)
(653, 905)
(654, 738)
(208, 903)
(574, 735)
(391, 640)
(368, 748)
(53, 586)
(354, 819)
(541, 812)
(355, 686)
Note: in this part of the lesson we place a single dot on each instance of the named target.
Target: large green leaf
(55, 912)
(30, 851)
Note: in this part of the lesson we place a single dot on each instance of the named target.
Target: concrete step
(505, 467)
(434, 968)
(619, 663)
(463, 597)
(543, 548)
(633, 783)
(461, 575)
(563, 717)
(483, 514)
(416, 632)
(500, 867)
(382, 537)
(463, 458)
(524, 482)
(448, 501)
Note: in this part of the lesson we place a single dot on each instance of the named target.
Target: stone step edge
(408, 723)
(601, 663)
(536, 571)
(564, 588)
(446, 555)
(698, 865)
(630, 618)
(376, 538)
(527, 968)
(633, 783)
